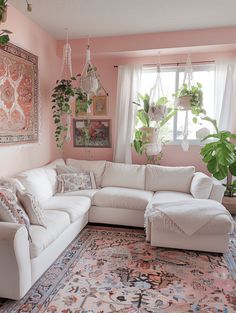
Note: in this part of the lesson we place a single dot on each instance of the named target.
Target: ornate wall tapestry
(18, 95)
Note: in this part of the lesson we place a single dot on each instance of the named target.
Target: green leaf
(4, 39)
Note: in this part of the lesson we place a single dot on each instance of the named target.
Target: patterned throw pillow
(66, 169)
(10, 209)
(76, 181)
(8, 183)
(32, 208)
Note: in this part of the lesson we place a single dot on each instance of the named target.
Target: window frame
(178, 69)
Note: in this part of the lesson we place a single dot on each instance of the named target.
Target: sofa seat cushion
(117, 197)
(84, 193)
(168, 196)
(42, 237)
(74, 206)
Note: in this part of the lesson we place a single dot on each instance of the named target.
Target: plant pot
(3, 17)
(184, 102)
(152, 149)
(150, 134)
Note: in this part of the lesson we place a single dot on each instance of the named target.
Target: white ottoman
(212, 236)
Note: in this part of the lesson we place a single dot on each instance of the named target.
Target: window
(172, 78)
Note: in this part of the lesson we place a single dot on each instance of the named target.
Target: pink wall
(173, 154)
(31, 37)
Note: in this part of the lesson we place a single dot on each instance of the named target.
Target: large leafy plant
(63, 93)
(4, 33)
(220, 156)
(147, 118)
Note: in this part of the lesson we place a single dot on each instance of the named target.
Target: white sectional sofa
(122, 195)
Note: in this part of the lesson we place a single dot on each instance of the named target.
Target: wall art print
(18, 95)
(92, 133)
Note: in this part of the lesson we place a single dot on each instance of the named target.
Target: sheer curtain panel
(129, 79)
(225, 94)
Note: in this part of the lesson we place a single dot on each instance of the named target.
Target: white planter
(184, 102)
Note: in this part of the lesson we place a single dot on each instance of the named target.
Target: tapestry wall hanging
(18, 95)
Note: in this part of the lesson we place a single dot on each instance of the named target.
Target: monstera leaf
(220, 154)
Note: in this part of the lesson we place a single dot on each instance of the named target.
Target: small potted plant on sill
(150, 118)
(190, 98)
(220, 156)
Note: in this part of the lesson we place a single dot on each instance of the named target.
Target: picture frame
(94, 133)
(100, 105)
(19, 112)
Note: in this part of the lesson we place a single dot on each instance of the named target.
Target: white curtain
(129, 79)
(225, 94)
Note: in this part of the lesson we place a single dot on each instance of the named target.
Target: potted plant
(190, 98)
(63, 93)
(150, 118)
(220, 156)
(3, 10)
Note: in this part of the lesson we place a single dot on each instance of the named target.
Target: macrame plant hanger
(89, 82)
(155, 147)
(188, 79)
(66, 73)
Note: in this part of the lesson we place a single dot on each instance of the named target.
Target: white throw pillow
(124, 175)
(166, 178)
(32, 208)
(97, 167)
(37, 183)
(201, 186)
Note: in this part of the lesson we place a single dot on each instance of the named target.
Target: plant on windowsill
(220, 156)
(150, 118)
(63, 94)
(190, 98)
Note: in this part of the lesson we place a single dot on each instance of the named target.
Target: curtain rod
(175, 63)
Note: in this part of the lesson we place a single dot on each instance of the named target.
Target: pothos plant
(220, 156)
(150, 116)
(195, 98)
(63, 93)
(4, 33)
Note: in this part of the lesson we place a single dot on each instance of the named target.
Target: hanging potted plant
(220, 156)
(3, 11)
(63, 94)
(150, 118)
(190, 97)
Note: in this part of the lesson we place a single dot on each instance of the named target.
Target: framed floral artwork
(18, 95)
(92, 133)
(100, 105)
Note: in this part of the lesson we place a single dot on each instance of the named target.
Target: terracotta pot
(184, 102)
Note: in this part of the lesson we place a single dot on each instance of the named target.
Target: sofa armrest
(15, 266)
(217, 191)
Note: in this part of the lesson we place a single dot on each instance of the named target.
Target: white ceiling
(96, 18)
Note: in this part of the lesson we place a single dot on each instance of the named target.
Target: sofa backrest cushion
(51, 173)
(97, 167)
(201, 186)
(42, 181)
(124, 175)
(166, 178)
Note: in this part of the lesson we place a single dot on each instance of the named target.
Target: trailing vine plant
(63, 94)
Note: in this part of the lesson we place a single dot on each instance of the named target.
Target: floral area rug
(108, 270)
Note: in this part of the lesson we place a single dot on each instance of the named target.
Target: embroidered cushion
(10, 209)
(32, 207)
(76, 181)
(8, 183)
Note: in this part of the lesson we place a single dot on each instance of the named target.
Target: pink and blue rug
(107, 270)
